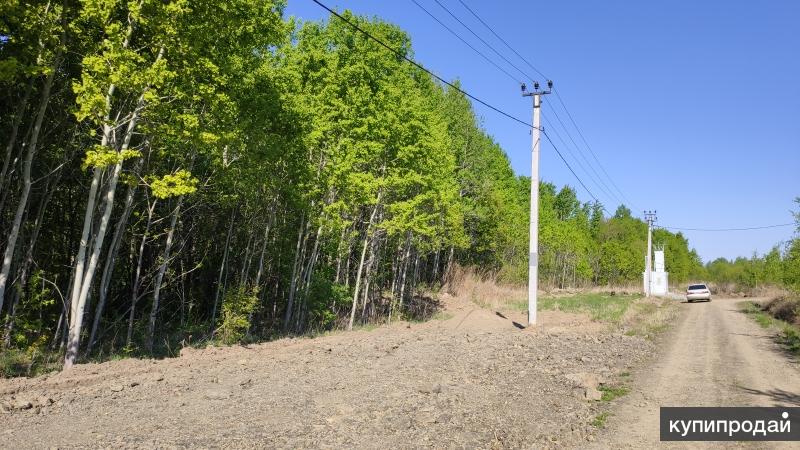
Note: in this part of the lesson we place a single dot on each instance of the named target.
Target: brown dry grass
(785, 308)
(486, 291)
(734, 290)
(649, 316)
(466, 284)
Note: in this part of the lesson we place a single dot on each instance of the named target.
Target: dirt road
(715, 356)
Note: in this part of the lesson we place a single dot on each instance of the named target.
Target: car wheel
(689, 301)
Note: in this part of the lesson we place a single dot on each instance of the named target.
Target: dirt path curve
(715, 356)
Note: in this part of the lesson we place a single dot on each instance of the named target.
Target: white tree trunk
(221, 272)
(27, 261)
(22, 206)
(111, 257)
(367, 237)
(12, 140)
(137, 279)
(263, 253)
(293, 285)
(80, 295)
(151, 328)
(79, 302)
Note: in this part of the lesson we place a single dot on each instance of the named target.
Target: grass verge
(634, 315)
(650, 317)
(600, 307)
(788, 333)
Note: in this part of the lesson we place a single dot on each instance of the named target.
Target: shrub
(237, 309)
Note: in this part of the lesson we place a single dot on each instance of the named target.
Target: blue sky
(692, 107)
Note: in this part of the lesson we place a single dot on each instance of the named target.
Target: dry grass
(784, 308)
(649, 316)
(734, 290)
(621, 307)
(626, 289)
(485, 291)
(781, 314)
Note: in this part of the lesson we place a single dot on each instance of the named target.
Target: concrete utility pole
(649, 217)
(533, 261)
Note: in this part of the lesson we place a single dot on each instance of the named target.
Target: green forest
(179, 172)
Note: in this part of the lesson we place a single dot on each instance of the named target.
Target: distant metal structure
(650, 218)
(533, 260)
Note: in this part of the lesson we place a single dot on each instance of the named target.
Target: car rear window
(697, 286)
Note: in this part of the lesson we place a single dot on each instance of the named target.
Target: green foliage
(775, 268)
(28, 362)
(790, 337)
(778, 267)
(100, 157)
(31, 319)
(173, 185)
(237, 308)
(323, 297)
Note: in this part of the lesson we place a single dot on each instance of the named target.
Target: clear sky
(692, 107)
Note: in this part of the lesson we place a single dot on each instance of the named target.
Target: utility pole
(649, 217)
(533, 260)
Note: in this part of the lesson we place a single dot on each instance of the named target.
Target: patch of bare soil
(475, 380)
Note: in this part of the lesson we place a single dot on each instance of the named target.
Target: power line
(481, 39)
(596, 179)
(465, 42)
(520, 121)
(421, 67)
(594, 155)
(731, 229)
(580, 165)
(563, 105)
(501, 39)
(573, 172)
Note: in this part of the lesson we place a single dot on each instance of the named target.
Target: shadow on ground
(516, 324)
(779, 396)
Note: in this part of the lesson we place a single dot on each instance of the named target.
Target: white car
(698, 292)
